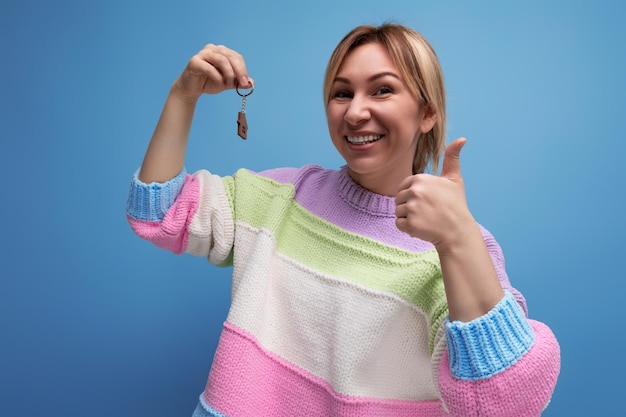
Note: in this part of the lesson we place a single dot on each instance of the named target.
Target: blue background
(93, 318)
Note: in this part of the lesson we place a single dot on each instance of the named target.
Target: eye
(383, 90)
(342, 94)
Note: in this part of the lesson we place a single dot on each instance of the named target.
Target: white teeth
(360, 140)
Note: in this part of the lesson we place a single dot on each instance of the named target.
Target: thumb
(451, 159)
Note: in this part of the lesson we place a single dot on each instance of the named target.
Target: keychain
(242, 123)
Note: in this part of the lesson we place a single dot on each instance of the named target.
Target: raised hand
(212, 70)
(434, 208)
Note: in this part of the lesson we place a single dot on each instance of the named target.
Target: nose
(358, 111)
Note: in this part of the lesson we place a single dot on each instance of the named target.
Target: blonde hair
(420, 70)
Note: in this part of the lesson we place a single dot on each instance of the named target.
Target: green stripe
(319, 244)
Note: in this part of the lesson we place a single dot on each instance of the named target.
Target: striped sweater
(334, 311)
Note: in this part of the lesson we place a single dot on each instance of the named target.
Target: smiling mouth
(363, 140)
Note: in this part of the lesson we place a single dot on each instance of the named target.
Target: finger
(451, 159)
(249, 85)
(229, 64)
(214, 65)
(200, 65)
(401, 211)
(403, 196)
(238, 65)
(401, 224)
(405, 184)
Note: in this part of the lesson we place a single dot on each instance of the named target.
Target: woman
(365, 291)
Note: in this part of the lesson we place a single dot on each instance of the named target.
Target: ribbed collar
(363, 199)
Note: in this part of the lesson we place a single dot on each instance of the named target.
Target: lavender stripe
(333, 196)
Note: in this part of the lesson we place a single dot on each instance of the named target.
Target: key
(242, 122)
(242, 125)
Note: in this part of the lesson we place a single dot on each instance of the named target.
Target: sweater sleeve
(501, 364)
(497, 257)
(187, 214)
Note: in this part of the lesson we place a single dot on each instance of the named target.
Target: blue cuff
(205, 410)
(489, 344)
(150, 202)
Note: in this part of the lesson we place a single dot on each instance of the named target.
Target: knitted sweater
(334, 311)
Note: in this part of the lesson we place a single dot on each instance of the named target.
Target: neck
(380, 184)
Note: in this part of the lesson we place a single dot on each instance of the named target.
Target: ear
(429, 118)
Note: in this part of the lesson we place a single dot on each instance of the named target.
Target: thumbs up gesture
(434, 208)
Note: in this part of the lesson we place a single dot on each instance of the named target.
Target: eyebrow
(371, 78)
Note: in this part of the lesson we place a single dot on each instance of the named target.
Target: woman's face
(374, 120)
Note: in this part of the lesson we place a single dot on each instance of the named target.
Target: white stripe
(362, 341)
(211, 231)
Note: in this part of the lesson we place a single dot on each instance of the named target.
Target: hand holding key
(212, 70)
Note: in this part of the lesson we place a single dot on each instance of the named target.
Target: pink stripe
(246, 380)
(523, 390)
(171, 232)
